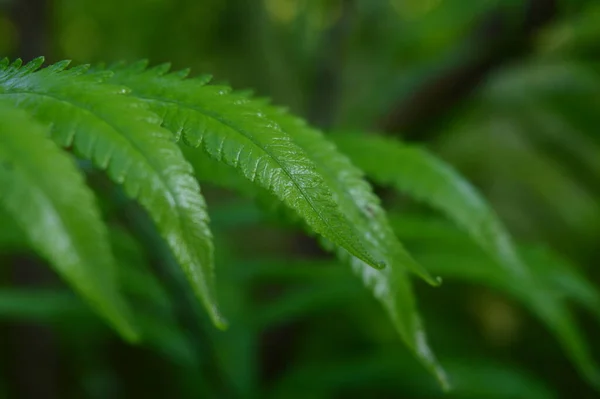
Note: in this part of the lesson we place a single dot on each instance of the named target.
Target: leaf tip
(36, 63)
(442, 378)
(130, 335)
(126, 329)
(429, 279)
(222, 324)
(593, 376)
(218, 320)
(379, 265)
(434, 281)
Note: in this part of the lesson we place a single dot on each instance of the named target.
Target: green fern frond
(391, 286)
(120, 135)
(46, 196)
(241, 133)
(237, 133)
(350, 190)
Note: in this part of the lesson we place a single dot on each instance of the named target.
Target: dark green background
(506, 91)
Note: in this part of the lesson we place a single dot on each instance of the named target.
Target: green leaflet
(120, 135)
(46, 196)
(350, 190)
(222, 175)
(393, 289)
(391, 286)
(237, 133)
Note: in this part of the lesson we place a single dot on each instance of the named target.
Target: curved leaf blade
(390, 286)
(354, 196)
(233, 132)
(121, 136)
(189, 111)
(46, 196)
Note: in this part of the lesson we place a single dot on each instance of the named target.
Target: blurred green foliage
(300, 324)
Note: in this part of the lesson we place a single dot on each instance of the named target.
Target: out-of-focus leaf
(47, 198)
(155, 313)
(391, 286)
(39, 305)
(306, 301)
(554, 281)
(297, 164)
(412, 170)
(475, 378)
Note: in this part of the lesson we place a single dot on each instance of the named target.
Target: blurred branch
(30, 19)
(35, 371)
(328, 72)
(503, 34)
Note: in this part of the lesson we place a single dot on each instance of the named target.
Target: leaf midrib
(249, 137)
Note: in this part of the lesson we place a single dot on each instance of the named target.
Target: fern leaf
(238, 134)
(297, 164)
(46, 196)
(391, 286)
(356, 199)
(349, 188)
(120, 135)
